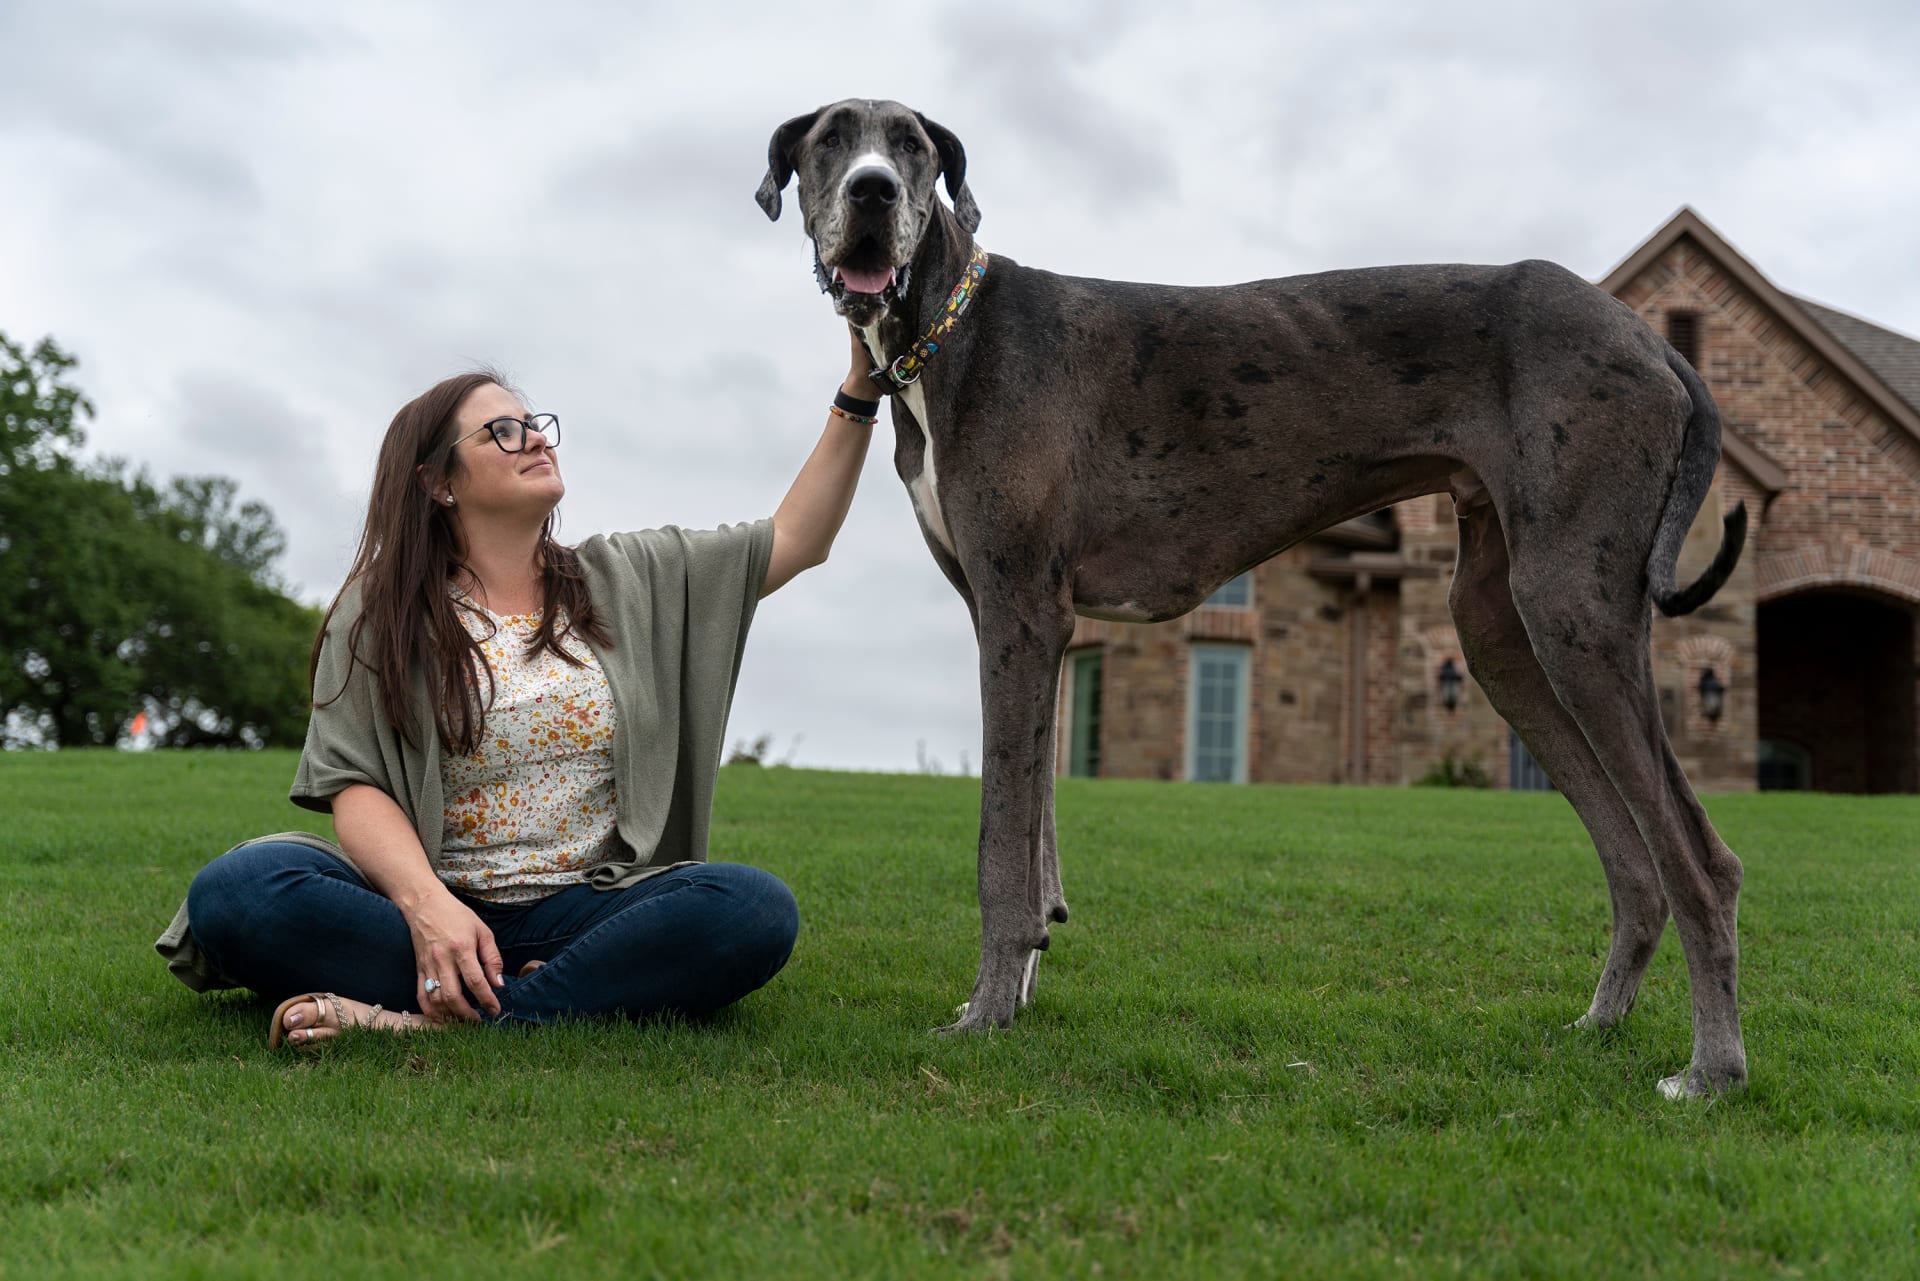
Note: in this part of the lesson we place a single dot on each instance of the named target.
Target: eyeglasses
(510, 434)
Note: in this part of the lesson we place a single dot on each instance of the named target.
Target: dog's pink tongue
(866, 282)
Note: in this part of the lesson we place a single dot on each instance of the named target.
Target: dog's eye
(830, 139)
(910, 145)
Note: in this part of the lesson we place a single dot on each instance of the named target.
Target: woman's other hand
(451, 945)
(858, 382)
(454, 948)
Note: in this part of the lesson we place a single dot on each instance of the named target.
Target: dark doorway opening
(1837, 707)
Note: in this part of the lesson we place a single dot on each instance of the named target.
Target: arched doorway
(1837, 709)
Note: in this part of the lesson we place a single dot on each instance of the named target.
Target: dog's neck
(938, 263)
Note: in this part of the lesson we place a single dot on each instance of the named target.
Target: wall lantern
(1450, 680)
(1713, 695)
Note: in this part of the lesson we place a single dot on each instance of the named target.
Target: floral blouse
(531, 809)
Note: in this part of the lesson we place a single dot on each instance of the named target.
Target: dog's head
(867, 172)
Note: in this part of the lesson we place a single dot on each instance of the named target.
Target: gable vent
(1683, 332)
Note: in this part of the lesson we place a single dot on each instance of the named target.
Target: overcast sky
(263, 227)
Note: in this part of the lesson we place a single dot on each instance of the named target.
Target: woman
(517, 741)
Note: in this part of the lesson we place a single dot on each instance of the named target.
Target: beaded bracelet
(862, 419)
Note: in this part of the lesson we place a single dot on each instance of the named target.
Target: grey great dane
(1118, 450)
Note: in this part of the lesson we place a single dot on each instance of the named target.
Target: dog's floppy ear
(953, 163)
(780, 161)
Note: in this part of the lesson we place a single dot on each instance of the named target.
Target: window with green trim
(1085, 672)
(1217, 689)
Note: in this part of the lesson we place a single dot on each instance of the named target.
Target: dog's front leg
(1020, 652)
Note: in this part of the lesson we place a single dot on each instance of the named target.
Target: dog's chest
(923, 489)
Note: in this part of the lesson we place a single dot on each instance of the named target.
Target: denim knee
(768, 918)
(229, 896)
(216, 900)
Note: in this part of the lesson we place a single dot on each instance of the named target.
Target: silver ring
(433, 985)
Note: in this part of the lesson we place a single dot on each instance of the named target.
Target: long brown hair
(407, 556)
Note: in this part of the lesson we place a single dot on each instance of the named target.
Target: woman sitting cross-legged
(518, 742)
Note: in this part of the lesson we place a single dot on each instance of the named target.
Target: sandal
(278, 1031)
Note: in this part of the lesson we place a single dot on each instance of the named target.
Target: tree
(38, 412)
(118, 595)
(202, 510)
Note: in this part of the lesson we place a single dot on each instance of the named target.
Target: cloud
(281, 454)
(1076, 130)
(148, 87)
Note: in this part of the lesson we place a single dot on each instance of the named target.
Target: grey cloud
(666, 169)
(156, 88)
(1029, 72)
(240, 420)
(280, 453)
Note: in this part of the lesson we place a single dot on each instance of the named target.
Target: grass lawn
(1288, 1032)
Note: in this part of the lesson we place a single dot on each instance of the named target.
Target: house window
(1524, 774)
(1683, 332)
(1235, 593)
(1217, 714)
(1084, 671)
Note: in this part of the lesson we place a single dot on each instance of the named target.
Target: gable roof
(1857, 350)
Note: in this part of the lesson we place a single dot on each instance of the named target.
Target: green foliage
(39, 413)
(1452, 771)
(754, 753)
(1315, 1032)
(118, 595)
(760, 752)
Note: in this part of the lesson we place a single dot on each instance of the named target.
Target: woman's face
(484, 479)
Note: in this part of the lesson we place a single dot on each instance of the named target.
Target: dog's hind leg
(1589, 633)
(1021, 645)
(1501, 658)
(1053, 900)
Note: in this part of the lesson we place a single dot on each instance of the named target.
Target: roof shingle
(1894, 358)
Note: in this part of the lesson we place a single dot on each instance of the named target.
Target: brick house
(1336, 661)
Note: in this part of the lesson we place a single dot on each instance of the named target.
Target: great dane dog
(1119, 450)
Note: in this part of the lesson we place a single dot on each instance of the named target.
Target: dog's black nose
(872, 188)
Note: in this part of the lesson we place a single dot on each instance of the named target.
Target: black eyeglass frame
(547, 425)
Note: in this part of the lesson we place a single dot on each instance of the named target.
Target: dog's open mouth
(864, 275)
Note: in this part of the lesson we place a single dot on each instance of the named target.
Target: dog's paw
(968, 1018)
(1696, 1084)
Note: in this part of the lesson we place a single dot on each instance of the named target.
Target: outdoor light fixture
(1449, 678)
(1713, 695)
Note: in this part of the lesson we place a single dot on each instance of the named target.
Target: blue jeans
(286, 919)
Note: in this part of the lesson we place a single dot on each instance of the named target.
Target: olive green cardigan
(678, 604)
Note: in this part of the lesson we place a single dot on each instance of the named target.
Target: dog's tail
(1699, 456)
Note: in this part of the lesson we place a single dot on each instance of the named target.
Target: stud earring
(449, 500)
